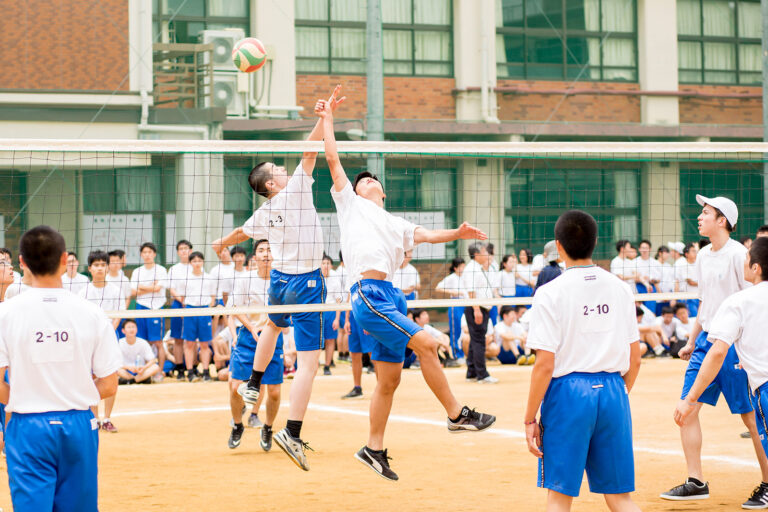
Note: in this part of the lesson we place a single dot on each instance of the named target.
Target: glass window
(719, 41)
(187, 18)
(417, 37)
(559, 39)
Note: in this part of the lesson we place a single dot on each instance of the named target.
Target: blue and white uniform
(586, 318)
(720, 274)
(199, 291)
(291, 224)
(177, 274)
(151, 329)
(53, 342)
(374, 239)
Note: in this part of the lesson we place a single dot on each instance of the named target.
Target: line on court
(503, 432)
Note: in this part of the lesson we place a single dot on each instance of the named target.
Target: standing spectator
(622, 266)
(407, 278)
(177, 276)
(330, 318)
(7, 256)
(761, 231)
(552, 270)
(648, 273)
(479, 285)
(6, 278)
(148, 284)
(507, 276)
(116, 276)
(72, 280)
(223, 273)
(686, 279)
(198, 290)
(746, 241)
(453, 286)
(524, 278)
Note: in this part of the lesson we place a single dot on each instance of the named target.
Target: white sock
(658, 350)
(105, 420)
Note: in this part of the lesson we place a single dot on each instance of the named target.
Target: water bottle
(138, 363)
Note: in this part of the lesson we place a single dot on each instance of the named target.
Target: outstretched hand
(323, 109)
(333, 101)
(469, 232)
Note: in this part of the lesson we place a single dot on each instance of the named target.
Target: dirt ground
(171, 452)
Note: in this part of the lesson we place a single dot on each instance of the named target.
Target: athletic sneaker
(250, 395)
(207, 377)
(531, 359)
(293, 447)
(266, 439)
(254, 421)
(371, 369)
(107, 426)
(521, 360)
(687, 491)
(158, 377)
(180, 375)
(452, 363)
(289, 372)
(326, 370)
(471, 421)
(379, 462)
(745, 435)
(355, 393)
(488, 380)
(759, 498)
(236, 436)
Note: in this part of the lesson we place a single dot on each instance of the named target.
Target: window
(187, 18)
(566, 40)
(417, 37)
(744, 185)
(719, 41)
(13, 214)
(538, 192)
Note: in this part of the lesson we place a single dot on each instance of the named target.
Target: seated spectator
(652, 337)
(491, 348)
(668, 324)
(684, 327)
(510, 336)
(421, 317)
(139, 361)
(222, 349)
(289, 353)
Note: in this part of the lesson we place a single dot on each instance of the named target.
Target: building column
(660, 211)
(657, 60)
(482, 199)
(200, 201)
(274, 25)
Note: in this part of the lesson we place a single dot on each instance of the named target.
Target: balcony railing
(183, 75)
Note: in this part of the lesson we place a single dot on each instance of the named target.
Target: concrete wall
(657, 64)
(272, 21)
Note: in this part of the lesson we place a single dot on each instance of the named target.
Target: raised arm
(235, 237)
(438, 236)
(308, 159)
(340, 180)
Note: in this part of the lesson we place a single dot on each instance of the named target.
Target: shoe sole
(288, 452)
(358, 397)
(754, 507)
(232, 447)
(460, 430)
(246, 399)
(264, 447)
(373, 469)
(685, 498)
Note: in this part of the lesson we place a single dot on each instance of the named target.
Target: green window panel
(187, 18)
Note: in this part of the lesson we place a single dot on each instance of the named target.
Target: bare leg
(425, 347)
(329, 346)
(557, 502)
(178, 350)
(109, 404)
(146, 374)
(690, 435)
(301, 389)
(750, 422)
(189, 354)
(273, 403)
(381, 401)
(265, 348)
(621, 503)
(205, 356)
(236, 403)
(357, 368)
(257, 405)
(158, 344)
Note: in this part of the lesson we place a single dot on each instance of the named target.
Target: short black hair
(341, 257)
(576, 231)
(362, 175)
(41, 249)
(148, 245)
(197, 254)
(258, 242)
(183, 242)
(71, 253)
(679, 306)
(4, 250)
(620, 245)
(489, 248)
(521, 307)
(703, 243)
(127, 321)
(97, 255)
(761, 229)
(326, 257)
(417, 312)
(259, 176)
(758, 253)
(639, 311)
(506, 309)
(114, 254)
(666, 310)
(719, 214)
(745, 239)
(645, 242)
(118, 252)
(456, 263)
(505, 258)
(688, 247)
(237, 250)
(661, 249)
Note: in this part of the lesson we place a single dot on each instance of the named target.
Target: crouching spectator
(652, 338)
(139, 361)
(421, 317)
(511, 337)
(683, 328)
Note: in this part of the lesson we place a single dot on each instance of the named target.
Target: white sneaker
(488, 380)
(293, 447)
(158, 377)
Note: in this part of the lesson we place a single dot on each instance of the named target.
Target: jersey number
(601, 309)
(57, 336)
(279, 221)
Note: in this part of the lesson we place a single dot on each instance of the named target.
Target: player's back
(586, 317)
(50, 338)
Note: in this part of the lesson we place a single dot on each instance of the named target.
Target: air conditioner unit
(223, 43)
(226, 93)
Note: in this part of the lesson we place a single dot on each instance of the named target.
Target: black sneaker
(207, 377)
(355, 393)
(191, 375)
(759, 498)
(236, 436)
(379, 462)
(745, 435)
(180, 375)
(470, 421)
(266, 438)
(687, 491)
(326, 370)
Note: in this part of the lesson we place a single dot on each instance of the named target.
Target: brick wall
(721, 110)
(577, 108)
(67, 44)
(404, 97)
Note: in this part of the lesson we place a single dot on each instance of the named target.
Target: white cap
(725, 205)
(676, 246)
(550, 251)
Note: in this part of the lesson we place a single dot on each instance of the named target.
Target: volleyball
(249, 55)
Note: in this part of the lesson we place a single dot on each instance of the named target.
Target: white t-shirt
(16, 277)
(140, 349)
(433, 332)
(250, 289)
(74, 284)
(107, 297)
(502, 328)
(224, 275)
(465, 326)
(407, 277)
(122, 283)
(525, 272)
(178, 273)
(54, 342)
(683, 330)
(624, 267)
(667, 279)
(721, 274)
(741, 320)
(453, 284)
(371, 237)
(587, 319)
(683, 271)
(342, 276)
(197, 290)
(334, 288)
(538, 263)
(147, 277)
(649, 317)
(648, 270)
(290, 222)
(668, 329)
(15, 289)
(507, 283)
(482, 282)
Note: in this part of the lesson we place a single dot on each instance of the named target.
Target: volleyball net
(116, 195)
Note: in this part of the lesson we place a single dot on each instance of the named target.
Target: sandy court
(171, 452)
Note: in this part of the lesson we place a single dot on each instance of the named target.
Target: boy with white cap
(720, 268)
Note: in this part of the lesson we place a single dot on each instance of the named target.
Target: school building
(455, 70)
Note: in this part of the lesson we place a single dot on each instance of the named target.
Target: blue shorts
(52, 461)
(329, 333)
(507, 356)
(731, 380)
(760, 402)
(358, 342)
(306, 288)
(586, 424)
(380, 309)
(150, 329)
(241, 361)
(220, 302)
(176, 322)
(197, 328)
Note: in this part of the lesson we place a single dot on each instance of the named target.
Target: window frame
(158, 17)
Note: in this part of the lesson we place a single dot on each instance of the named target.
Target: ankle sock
(698, 483)
(294, 428)
(255, 380)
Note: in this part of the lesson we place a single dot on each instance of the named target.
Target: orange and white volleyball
(249, 55)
